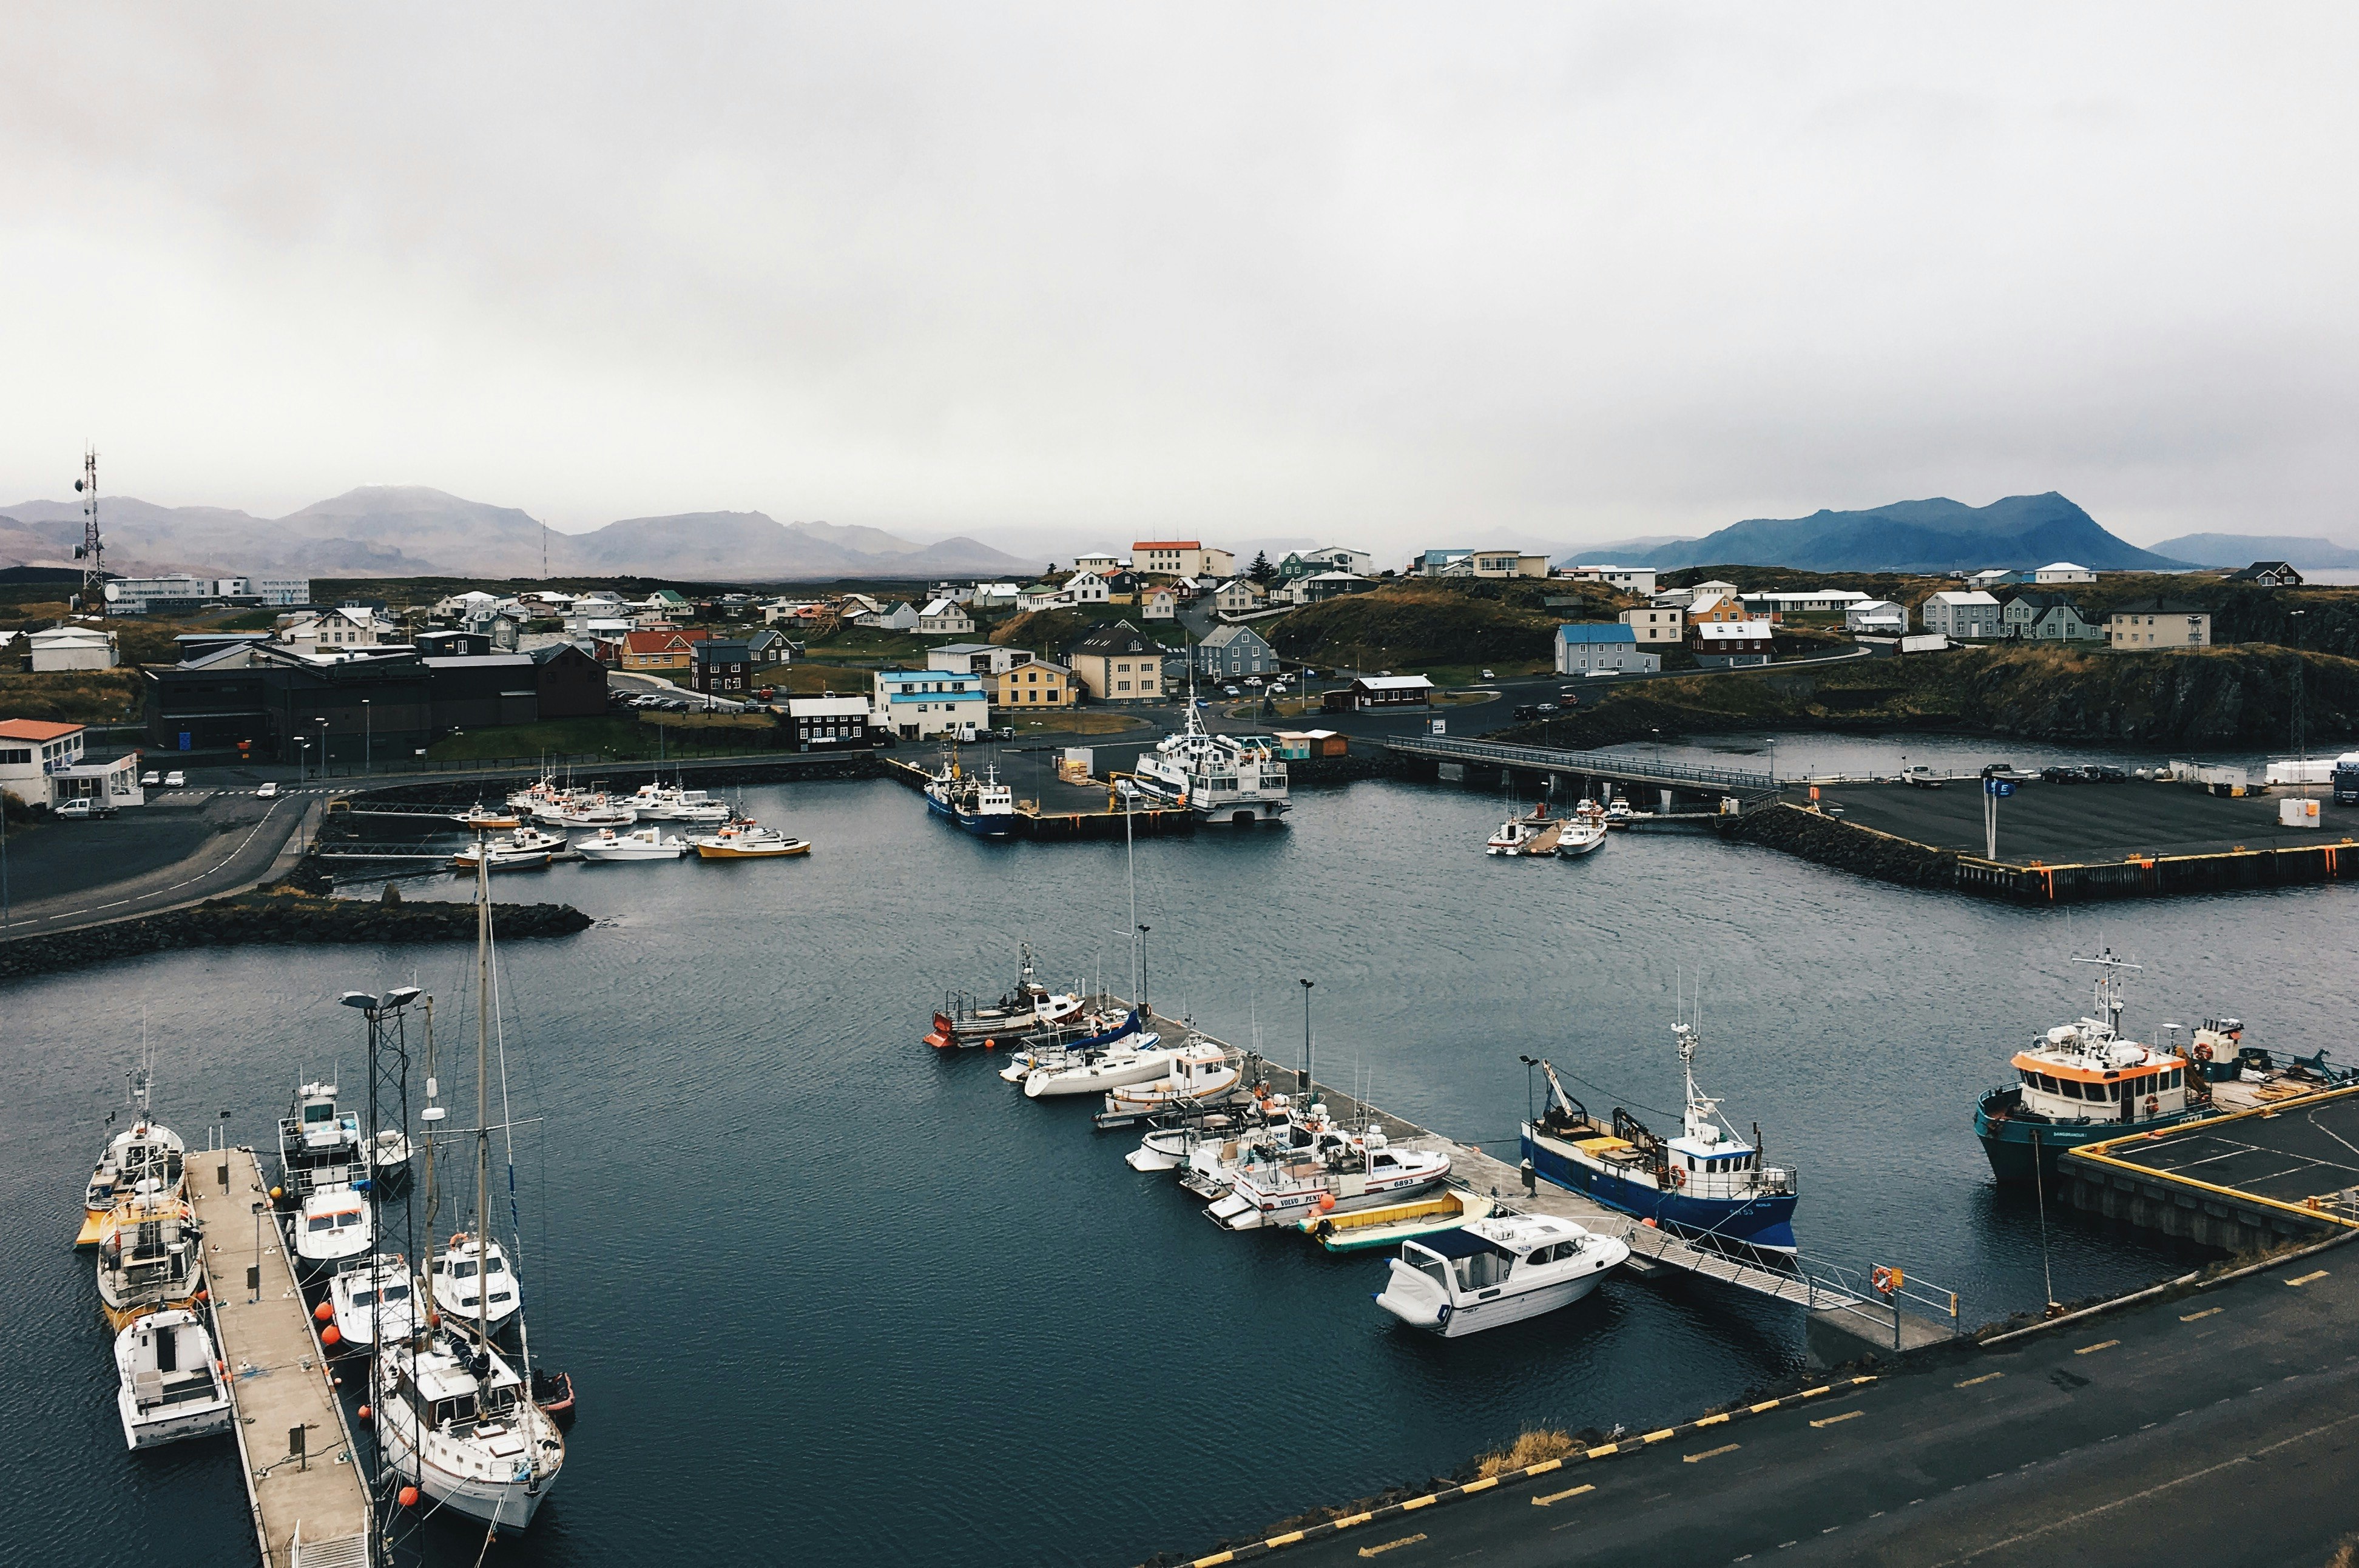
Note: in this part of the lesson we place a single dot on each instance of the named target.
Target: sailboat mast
(433, 1199)
(483, 1094)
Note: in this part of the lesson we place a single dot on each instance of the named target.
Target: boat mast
(431, 1116)
(483, 1111)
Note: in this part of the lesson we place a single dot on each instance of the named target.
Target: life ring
(1442, 1318)
(1678, 1178)
(2153, 1104)
(2204, 1051)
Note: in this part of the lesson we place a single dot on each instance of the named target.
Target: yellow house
(1030, 686)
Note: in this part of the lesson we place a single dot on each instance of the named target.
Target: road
(185, 847)
(2219, 1428)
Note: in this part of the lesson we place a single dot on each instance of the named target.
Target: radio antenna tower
(91, 552)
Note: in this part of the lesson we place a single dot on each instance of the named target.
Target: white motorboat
(525, 849)
(455, 1420)
(150, 1259)
(1140, 1062)
(389, 1155)
(488, 818)
(373, 1302)
(1341, 1173)
(1076, 1040)
(670, 802)
(638, 844)
(171, 1386)
(1581, 832)
(1169, 1148)
(318, 1145)
(1287, 1130)
(596, 811)
(1520, 835)
(331, 1229)
(1496, 1271)
(471, 1281)
(748, 840)
(1619, 813)
(145, 1156)
(1198, 1072)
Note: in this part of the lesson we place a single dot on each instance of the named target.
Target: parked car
(150, 778)
(1253, 680)
(2010, 772)
(176, 779)
(1526, 711)
(71, 810)
(1920, 777)
(1488, 676)
(2060, 775)
(1595, 674)
(268, 792)
(1545, 709)
(2104, 772)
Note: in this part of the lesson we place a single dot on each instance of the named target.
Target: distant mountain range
(412, 531)
(2243, 549)
(1932, 535)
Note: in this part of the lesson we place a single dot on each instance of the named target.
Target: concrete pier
(309, 1502)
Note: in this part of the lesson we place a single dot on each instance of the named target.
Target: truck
(2346, 779)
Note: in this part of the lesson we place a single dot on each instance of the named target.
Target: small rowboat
(1373, 1227)
(554, 1392)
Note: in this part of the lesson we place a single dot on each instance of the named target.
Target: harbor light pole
(1145, 1009)
(323, 746)
(1305, 1084)
(302, 759)
(368, 734)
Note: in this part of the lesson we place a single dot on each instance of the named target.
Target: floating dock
(2281, 1172)
(1845, 1320)
(1081, 813)
(303, 1482)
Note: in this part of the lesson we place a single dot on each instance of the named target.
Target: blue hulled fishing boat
(1707, 1182)
(983, 806)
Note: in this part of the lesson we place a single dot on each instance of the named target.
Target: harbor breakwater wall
(277, 918)
(491, 788)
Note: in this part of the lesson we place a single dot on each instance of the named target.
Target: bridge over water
(1749, 789)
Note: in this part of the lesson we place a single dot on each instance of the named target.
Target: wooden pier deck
(310, 1512)
(1078, 813)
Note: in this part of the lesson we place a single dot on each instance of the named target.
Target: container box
(2297, 814)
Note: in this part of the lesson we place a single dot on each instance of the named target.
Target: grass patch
(1533, 1448)
(72, 696)
(1075, 721)
(813, 680)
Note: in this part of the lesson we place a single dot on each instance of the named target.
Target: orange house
(659, 652)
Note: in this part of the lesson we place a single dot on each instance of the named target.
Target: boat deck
(277, 1377)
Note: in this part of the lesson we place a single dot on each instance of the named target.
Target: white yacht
(1520, 835)
(389, 1155)
(525, 849)
(331, 1227)
(374, 1300)
(1141, 1061)
(171, 1386)
(638, 844)
(670, 802)
(1581, 832)
(150, 1259)
(471, 1281)
(1220, 778)
(1496, 1271)
(1342, 1173)
(456, 1421)
(748, 840)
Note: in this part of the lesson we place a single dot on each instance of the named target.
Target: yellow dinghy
(1373, 1227)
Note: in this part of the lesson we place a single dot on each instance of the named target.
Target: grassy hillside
(1421, 621)
(2200, 698)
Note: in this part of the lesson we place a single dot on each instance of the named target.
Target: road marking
(1711, 1453)
(1658, 1436)
(2313, 1274)
(1610, 1448)
(1283, 1540)
(1389, 1545)
(1833, 1418)
(1414, 1503)
(2207, 1312)
(1764, 1405)
(1713, 1419)
(1986, 1378)
(1559, 1497)
(2100, 1344)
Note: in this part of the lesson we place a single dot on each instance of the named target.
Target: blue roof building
(1585, 646)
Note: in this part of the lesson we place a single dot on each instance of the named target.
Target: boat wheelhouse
(1220, 778)
(146, 1157)
(150, 1259)
(1342, 1173)
(1708, 1182)
(2085, 1082)
(1584, 831)
(171, 1386)
(318, 1145)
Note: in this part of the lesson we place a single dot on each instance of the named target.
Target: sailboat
(454, 1418)
(143, 1152)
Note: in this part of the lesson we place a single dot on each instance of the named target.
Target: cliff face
(2205, 700)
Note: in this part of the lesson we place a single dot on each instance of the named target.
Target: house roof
(1961, 596)
(714, 651)
(479, 661)
(652, 642)
(1166, 544)
(1121, 637)
(548, 651)
(2158, 606)
(826, 707)
(1731, 631)
(1222, 636)
(1586, 632)
(1393, 682)
(2044, 602)
(2258, 567)
(37, 730)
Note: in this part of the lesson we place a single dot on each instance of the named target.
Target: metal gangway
(1745, 786)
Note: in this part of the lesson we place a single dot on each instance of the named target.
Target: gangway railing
(1889, 1286)
(1602, 765)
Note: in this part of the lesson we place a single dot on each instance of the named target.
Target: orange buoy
(1649, 1224)
(331, 1334)
(365, 1413)
(409, 1497)
(278, 1193)
(1326, 1202)
(323, 1312)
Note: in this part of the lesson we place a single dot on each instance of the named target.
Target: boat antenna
(515, 1220)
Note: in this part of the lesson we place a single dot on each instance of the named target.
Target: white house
(1962, 613)
(995, 595)
(352, 626)
(945, 617)
(1880, 617)
(71, 648)
(1100, 562)
(1341, 559)
(902, 617)
(1240, 596)
(1805, 602)
(916, 704)
(1158, 604)
(1042, 596)
(1996, 576)
(30, 751)
(1628, 580)
(1586, 645)
(2062, 571)
(1086, 587)
(976, 658)
(462, 604)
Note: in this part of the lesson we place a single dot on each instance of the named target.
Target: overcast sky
(1386, 274)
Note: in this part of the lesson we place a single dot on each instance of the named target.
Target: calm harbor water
(829, 1298)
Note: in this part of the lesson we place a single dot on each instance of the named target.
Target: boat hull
(1569, 848)
(982, 823)
(1766, 1222)
(154, 1431)
(2020, 1150)
(504, 1505)
(1249, 1209)
(1147, 1065)
(724, 852)
(1371, 1230)
(1456, 1321)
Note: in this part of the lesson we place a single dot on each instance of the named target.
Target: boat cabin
(332, 1213)
(2117, 1081)
(445, 1392)
(1465, 1263)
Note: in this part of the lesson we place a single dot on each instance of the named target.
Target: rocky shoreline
(281, 916)
(1829, 841)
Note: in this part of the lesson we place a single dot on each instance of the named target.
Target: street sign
(1999, 787)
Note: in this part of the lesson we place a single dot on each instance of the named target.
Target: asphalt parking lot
(2065, 823)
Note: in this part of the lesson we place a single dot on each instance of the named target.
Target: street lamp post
(302, 759)
(368, 735)
(1304, 1083)
(324, 768)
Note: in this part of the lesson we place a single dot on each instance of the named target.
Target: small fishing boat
(1077, 1039)
(960, 1022)
(1583, 831)
(149, 1258)
(1199, 1071)
(1516, 836)
(748, 840)
(1171, 1137)
(456, 1420)
(332, 1226)
(171, 1386)
(1618, 813)
(2086, 1082)
(670, 802)
(487, 818)
(318, 1145)
(1342, 1173)
(593, 811)
(983, 806)
(554, 1392)
(1707, 1182)
(146, 1156)
(526, 849)
(1490, 1272)
(1394, 1223)
(471, 1281)
(638, 844)
(373, 1302)
(1141, 1060)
